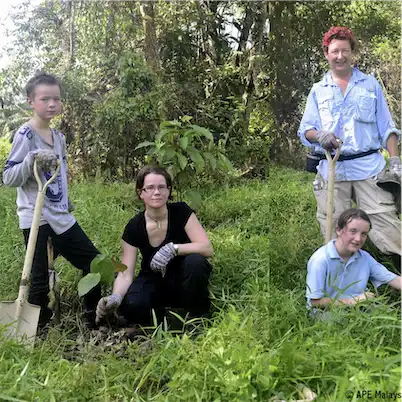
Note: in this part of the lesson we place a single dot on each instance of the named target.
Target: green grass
(5, 148)
(259, 343)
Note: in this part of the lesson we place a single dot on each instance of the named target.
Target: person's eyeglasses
(151, 189)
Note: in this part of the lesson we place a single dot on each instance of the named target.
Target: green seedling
(103, 269)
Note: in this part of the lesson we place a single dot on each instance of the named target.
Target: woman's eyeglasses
(151, 189)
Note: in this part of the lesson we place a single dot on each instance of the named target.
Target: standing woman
(174, 248)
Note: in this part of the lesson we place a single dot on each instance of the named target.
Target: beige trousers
(376, 202)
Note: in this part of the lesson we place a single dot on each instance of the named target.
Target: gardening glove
(395, 166)
(162, 258)
(71, 206)
(46, 160)
(107, 305)
(327, 140)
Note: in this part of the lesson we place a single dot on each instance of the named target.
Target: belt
(355, 156)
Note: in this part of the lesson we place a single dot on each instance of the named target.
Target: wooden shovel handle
(33, 234)
(330, 192)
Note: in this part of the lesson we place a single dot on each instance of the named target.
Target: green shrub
(188, 152)
(5, 148)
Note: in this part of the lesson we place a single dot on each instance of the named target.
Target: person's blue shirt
(360, 118)
(329, 276)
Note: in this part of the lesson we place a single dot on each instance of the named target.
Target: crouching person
(338, 272)
(174, 247)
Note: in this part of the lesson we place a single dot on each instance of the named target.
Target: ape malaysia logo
(375, 395)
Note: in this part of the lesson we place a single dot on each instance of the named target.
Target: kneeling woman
(174, 247)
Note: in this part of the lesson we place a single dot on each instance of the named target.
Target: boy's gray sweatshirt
(18, 172)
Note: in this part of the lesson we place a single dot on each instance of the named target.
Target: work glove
(46, 160)
(71, 206)
(107, 306)
(327, 140)
(162, 258)
(395, 166)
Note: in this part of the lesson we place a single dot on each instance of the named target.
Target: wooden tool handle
(330, 192)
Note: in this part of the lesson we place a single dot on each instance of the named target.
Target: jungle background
(241, 69)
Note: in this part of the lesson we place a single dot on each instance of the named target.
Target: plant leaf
(172, 170)
(118, 266)
(162, 133)
(169, 153)
(87, 283)
(202, 131)
(211, 160)
(189, 134)
(171, 123)
(144, 144)
(226, 162)
(194, 198)
(104, 266)
(183, 141)
(197, 159)
(186, 119)
(182, 160)
(266, 128)
(159, 145)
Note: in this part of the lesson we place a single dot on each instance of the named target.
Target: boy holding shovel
(35, 140)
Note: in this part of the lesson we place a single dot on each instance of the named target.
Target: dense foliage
(259, 342)
(198, 84)
(241, 69)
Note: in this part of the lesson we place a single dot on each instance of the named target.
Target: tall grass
(259, 343)
(5, 148)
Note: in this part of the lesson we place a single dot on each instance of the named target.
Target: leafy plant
(5, 148)
(103, 269)
(186, 150)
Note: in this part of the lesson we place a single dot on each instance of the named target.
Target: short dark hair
(340, 33)
(40, 78)
(350, 214)
(155, 169)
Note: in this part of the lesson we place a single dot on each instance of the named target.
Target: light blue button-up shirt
(329, 276)
(360, 118)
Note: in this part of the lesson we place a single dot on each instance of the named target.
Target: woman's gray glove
(162, 258)
(327, 140)
(46, 160)
(107, 306)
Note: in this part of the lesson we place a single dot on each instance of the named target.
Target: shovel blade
(24, 327)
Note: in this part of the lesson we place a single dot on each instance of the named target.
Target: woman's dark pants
(184, 286)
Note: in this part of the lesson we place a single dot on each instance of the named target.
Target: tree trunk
(212, 40)
(245, 31)
(71, 30)
(257, 34)
(151, 43)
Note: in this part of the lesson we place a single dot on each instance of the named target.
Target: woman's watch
(176, 249)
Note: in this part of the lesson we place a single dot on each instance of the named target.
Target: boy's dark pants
(185, 285)
(75, 246)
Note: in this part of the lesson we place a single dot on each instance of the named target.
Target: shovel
(330, 193)
(20, 316)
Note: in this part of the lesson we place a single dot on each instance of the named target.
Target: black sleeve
(132, 231)
(183, 212)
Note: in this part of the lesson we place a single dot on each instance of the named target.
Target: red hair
(341, 33)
